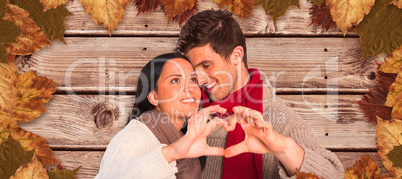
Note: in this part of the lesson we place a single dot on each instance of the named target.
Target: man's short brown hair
(218, 28)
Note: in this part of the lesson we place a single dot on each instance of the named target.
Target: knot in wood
(105, 114)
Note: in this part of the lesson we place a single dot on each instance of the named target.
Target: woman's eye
(175, 80)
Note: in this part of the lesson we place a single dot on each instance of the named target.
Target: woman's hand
(194, 143)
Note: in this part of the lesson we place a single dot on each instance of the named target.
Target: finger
(247, 112)
(233, 119)
(215, 151)
(214, 109)
(236, 149)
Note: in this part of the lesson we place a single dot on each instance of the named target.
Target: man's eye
(206, 66)
(175, 80)
(194, 80)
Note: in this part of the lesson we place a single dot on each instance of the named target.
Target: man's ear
(153, 98)
(237, 55)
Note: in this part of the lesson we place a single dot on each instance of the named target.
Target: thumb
(236, 149)
(218, 151)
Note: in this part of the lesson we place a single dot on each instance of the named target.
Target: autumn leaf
(144, 6)
(318, 2)
(394, 98)
(31, 38)
(12, 156)
(22, 101)
(185, 15)
(303, 175)
(51, 4)
(373, 102)
(63, 174)
(108, 13)
(276, 8)
(320, 16)
(241, 8)
(389, 139)
(33, 91)
(366, 167)
(393, 64)
(397, 3)
(8, 87)
(33, 170)
(379, 32)
(3, 57)
(8, 32)
(3, 9)
(50, 22)
(174, 8)
(346, 13)
(29, 141)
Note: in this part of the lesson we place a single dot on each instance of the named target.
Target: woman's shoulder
(135, 133)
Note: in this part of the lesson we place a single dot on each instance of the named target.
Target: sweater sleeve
(135, 154)
(317, 159)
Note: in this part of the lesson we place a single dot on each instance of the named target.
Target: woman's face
(177, 90)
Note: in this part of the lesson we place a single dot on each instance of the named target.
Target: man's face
(216, 75)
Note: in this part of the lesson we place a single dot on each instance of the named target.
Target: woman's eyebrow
(178, 75)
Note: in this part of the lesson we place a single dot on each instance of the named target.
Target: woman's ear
(237, 55)
(153, 98)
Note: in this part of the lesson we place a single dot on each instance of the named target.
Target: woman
(151, 145)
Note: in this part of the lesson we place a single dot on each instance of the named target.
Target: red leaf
(372, 103)
(321, 17)
(144, 6)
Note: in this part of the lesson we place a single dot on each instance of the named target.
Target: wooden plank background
(319, 74)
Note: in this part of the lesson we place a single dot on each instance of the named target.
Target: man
(277, 142)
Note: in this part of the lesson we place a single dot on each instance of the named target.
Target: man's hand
(194, 143)
(261, 138)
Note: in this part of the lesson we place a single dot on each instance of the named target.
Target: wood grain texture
(70, 122)
(90, 161)
(291, 64)
(294, 23)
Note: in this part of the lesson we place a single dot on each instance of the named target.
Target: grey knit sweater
(285, 121)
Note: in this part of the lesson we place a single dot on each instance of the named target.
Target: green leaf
(63, 174)
(276, 8)
(8, 32)
(3, 8)
(395, 156)
(50, 22)
(317, 2)
(12, 156)
(3, 54)
(380, 30)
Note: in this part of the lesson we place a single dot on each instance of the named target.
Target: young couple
(242, 128)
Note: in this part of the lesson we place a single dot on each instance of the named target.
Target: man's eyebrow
(178, 75)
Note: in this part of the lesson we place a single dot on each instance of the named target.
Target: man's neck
(243, 78)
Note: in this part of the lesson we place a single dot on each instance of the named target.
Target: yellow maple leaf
(51, 4)
(241, 8)
(366, 167)
(109, 13)
(33, 170)
(31, 38)
(389, 135)
(29, 141)
(393, 64)
(346, 13)
(394, 98)
(174, 8)
(8, 86)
